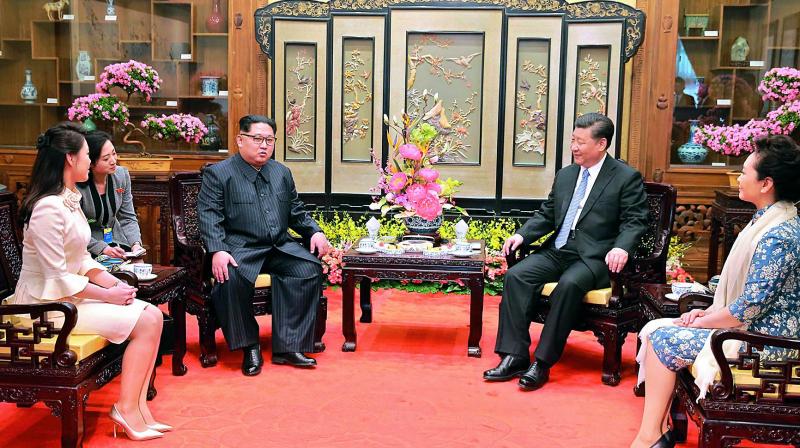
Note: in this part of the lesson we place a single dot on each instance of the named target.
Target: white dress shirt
(594, 170)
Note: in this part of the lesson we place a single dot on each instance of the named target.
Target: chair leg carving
(72, 410)
(151, 387)
(208, 344)
(611, 338)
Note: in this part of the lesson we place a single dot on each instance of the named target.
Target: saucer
(146, 278)
(458, 253)
(366, 250)
(672, 296)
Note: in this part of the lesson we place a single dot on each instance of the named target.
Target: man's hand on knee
(512, 243)
(320, 244)
(219, 265)
(616, 259)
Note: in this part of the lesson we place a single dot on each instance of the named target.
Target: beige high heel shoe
(161, 427)
(132, 434)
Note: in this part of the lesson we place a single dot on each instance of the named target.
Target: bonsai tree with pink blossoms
(133, 77)
(409, 186)
(781, 85)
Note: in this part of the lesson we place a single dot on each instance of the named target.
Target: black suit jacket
(615, 214)
(245, 217)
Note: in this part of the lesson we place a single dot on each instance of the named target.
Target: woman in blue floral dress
(769, 301)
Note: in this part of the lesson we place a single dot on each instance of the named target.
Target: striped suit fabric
(247, 213)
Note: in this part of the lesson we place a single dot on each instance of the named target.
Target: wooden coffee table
(410, 266)
(170, 287)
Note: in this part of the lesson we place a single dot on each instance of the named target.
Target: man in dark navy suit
(246, 205)
(596, 212)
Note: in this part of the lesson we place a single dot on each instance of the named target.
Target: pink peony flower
(433, 187)
(429, 174)
(398, 181)
(429, 208)
(410, 151)
(416, 193)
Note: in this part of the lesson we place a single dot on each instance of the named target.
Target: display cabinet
(53, 52)
(724, 48)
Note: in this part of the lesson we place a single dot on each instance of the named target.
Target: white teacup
(679, 288)
(712, 283)
(142, 269)
(366, 243)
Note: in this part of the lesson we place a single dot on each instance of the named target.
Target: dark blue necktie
(577, 197)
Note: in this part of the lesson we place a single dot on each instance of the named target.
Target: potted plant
(134, 77)
(782, 85)
(409, 186)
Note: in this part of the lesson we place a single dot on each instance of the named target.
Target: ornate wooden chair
(191, 254)
(611, 313)
(750, 399)
(39, 362)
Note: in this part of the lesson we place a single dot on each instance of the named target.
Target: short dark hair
(601, 126)
(779, 158)
(248, 120)
(96, 139)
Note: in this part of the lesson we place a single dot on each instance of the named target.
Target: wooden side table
(727, 211)
(170, 287)
(410, 266)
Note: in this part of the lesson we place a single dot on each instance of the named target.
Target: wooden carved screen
(509, 77)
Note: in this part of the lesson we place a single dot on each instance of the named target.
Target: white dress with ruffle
(54, 267)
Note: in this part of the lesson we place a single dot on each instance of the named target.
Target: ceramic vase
(215, 23)
(422, 226)
(28, 91)
(110, 9)
(691, 152)
(209, 85)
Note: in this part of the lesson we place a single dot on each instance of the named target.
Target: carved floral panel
(444, 80)
(358, 84)
(530, 110)
(300, 79)
(592, 84)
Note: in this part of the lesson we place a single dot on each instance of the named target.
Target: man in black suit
(246, 205)
(596, 211)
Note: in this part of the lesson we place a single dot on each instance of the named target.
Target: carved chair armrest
(61, 353)
(197, 262)
(692, 300)
(515, 256)
(723, 389)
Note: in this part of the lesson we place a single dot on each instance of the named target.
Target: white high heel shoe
(160, 427)
(132, 434)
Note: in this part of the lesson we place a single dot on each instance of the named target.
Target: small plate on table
(366, 250)
(462, 253)
(672, 296)
(147, 278)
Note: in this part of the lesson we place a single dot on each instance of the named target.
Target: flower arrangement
(99, 106)
(176, 127)
(780, 84)
(132, 77)
(675, 253)
(409, 185)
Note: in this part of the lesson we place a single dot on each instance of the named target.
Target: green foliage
(677, 249)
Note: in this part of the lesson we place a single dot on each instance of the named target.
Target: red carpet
(409, 384)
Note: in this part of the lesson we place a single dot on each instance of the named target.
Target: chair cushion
(746, 378)
(262, 281)
(593, 297)
(84, 345)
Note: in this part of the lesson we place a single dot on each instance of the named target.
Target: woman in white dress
(57, 267)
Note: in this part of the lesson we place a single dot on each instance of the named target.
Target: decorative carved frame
(631, 25)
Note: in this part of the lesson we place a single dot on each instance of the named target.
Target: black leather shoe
(252, 361)
(510, 367)
(535, 377)
(665, 441)
(294, 359)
